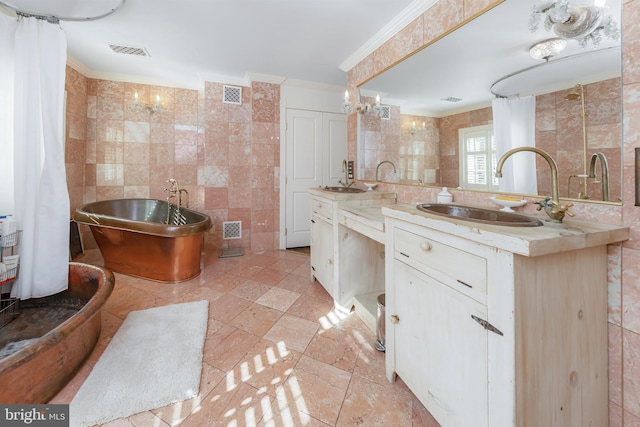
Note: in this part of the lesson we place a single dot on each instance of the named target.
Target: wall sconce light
(423, 129)
(362, 108)
(150, 108)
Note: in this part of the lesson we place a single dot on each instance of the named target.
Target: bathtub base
(39, 371)
(159, 258)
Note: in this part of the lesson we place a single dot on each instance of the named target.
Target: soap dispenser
(444, 196)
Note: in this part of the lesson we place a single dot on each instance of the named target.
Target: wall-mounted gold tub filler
(578, 93)
(637, 176)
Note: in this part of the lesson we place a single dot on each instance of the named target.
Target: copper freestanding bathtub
(135, 239)
(47, 353)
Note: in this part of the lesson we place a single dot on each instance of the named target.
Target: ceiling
(192, 41)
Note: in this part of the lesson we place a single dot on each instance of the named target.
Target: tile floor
(276, 353)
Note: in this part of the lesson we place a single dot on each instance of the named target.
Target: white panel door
(303, 171)
(315, 147)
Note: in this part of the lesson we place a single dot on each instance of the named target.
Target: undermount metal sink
(343, 189)
(485, 216)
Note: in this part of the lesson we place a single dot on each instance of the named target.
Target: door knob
(395, 318)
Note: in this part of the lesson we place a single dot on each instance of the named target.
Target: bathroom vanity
(499, 326)
(347, 243)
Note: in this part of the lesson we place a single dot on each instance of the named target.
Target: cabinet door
(440, 351)
(322, 253)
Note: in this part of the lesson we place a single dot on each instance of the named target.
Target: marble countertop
(370, 216)
(352, 197)
(528, 241)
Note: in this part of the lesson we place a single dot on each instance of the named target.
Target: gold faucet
(173, 189)
(346, 182)
(380, 164)
(552, 205)
(604, 171)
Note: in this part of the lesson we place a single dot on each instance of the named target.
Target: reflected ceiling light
(548, 48)
(585, 24)
(362, 108)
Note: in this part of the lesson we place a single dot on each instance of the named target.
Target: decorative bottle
(444, 196)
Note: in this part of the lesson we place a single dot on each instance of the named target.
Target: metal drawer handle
(488, 326)
(466, 284)
(425, 246)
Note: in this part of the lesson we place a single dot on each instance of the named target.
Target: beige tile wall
(226, 156)
(624, 260)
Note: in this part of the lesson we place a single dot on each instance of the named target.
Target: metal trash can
(380, 324)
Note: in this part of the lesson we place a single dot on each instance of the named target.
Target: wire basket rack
(8, 305)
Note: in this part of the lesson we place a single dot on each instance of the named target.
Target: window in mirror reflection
(478, 158)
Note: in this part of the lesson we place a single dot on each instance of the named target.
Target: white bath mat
(153, 360)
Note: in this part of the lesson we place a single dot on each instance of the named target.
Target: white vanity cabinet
(344, 260)
(322, 244)
(440, 353)
(495, 327)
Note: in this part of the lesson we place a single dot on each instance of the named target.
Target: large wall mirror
(442, 99)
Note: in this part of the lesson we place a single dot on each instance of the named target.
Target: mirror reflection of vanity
(449, 86)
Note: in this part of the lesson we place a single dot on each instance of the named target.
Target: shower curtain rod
(55, 19)
(543, 64)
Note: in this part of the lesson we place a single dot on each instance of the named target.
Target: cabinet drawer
(462, 270)
(322, 209)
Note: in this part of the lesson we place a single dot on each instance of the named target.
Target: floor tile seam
(268, 306)
(387, 383)
(292, 405)
(262, 336)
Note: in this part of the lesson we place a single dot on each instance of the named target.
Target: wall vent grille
(386, 112)
(129, 50)
(231, 230)
(232, 95)
(451, 99)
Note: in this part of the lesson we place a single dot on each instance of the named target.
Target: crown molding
(129, 78)
(78, 66)
(220, 78)
(407, 16)
(313, 85)
(264, 78)
(202, 77)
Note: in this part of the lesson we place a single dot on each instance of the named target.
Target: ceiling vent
(231, 95)
(129, 50)
(451, 99)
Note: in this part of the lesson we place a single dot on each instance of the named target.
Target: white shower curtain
(7, 30)
(41, 199)
(514, 126)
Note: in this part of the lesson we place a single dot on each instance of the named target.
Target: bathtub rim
(58, 334)
(91, 219)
